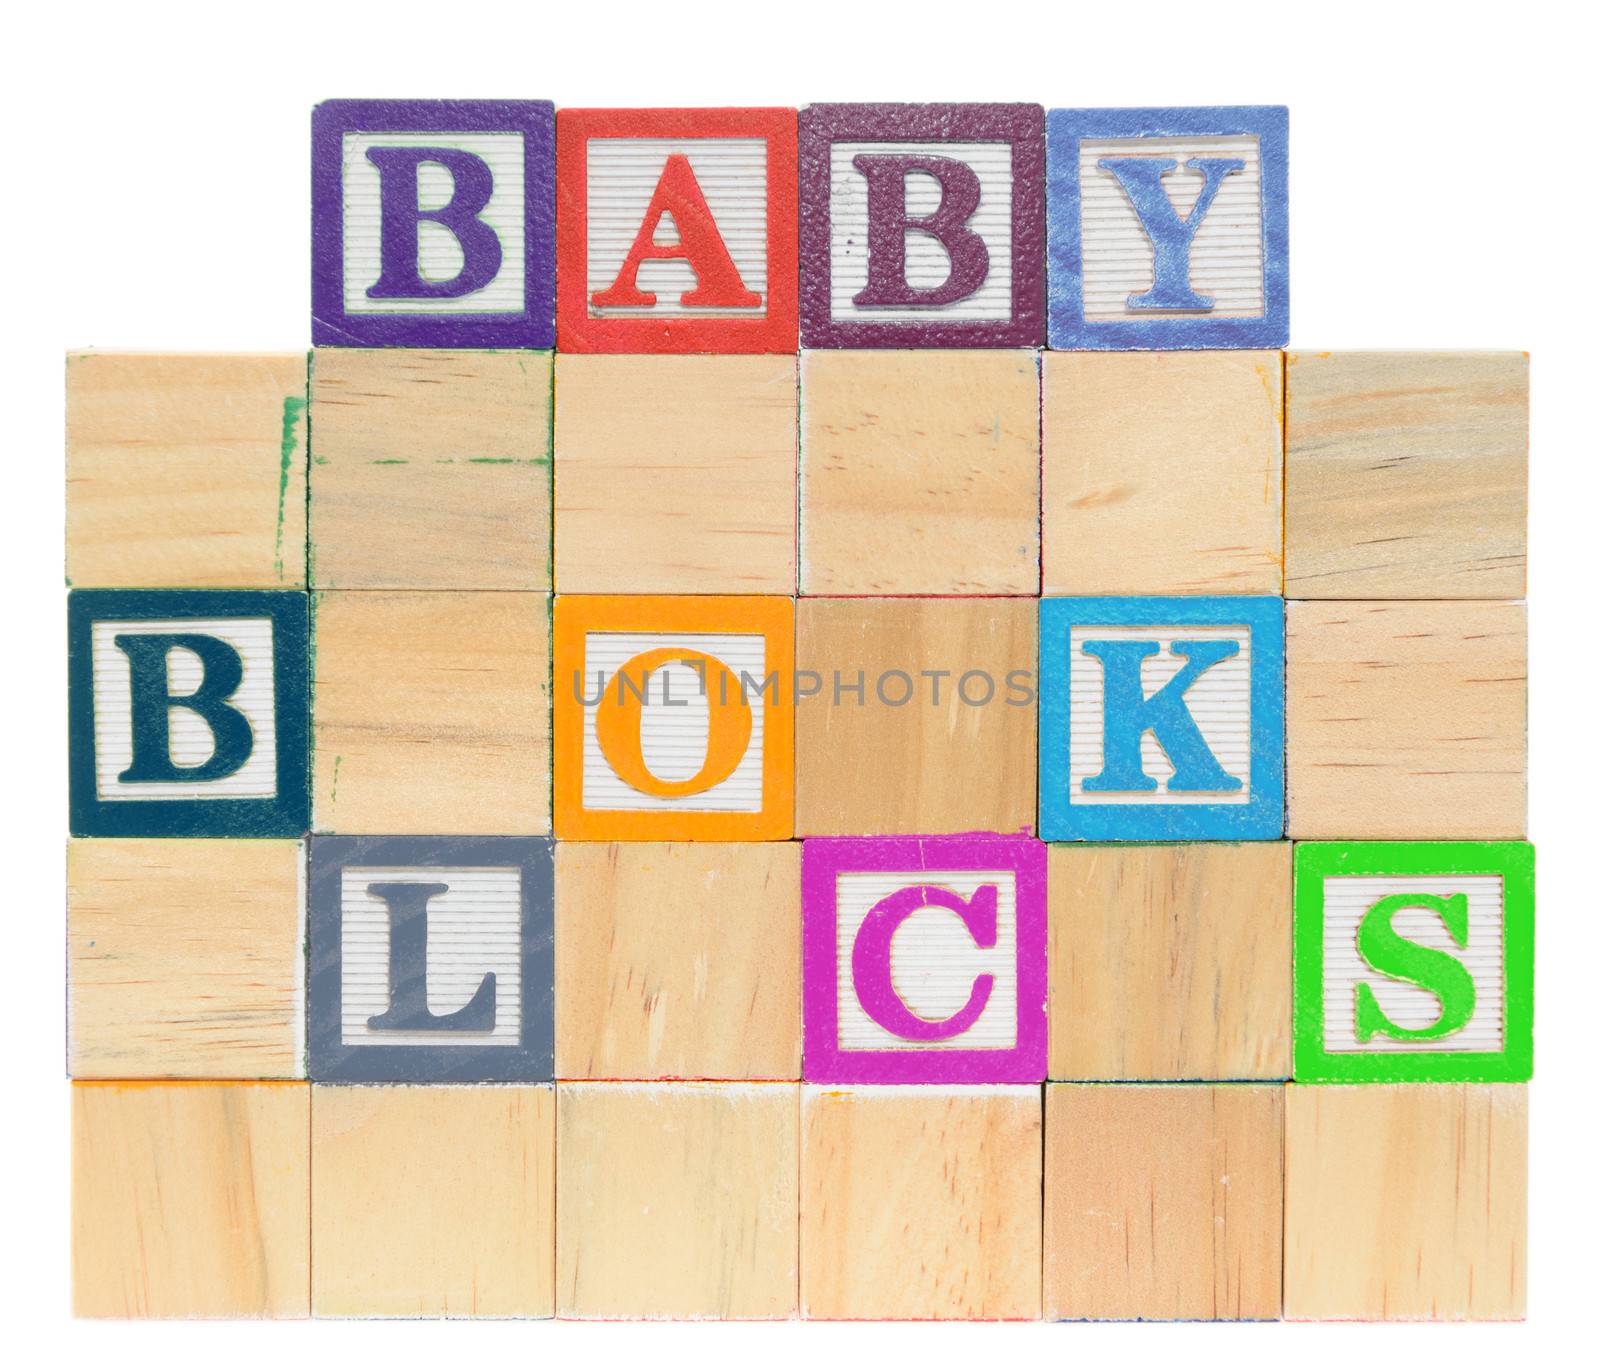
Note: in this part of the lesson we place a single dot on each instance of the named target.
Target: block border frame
(776, 332)
(284, 816)
(822, 1061)
(1068, 329)
(770, 615)
(329, 1060)
(533, 328)
(1316, 860)
(1021, 125)
(1259, 818)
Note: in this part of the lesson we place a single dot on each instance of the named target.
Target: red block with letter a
(676, 230)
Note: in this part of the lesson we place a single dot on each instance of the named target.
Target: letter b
(152, 703)
(399, 171)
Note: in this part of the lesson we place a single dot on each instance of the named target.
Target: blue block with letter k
(1161, 718)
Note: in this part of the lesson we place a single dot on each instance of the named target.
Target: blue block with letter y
(1161, 718)
(1168, 228)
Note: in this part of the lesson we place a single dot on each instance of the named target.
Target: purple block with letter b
(924, 959)
(433, 223)
(922, 225)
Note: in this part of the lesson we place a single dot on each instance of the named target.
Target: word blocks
(924, 960)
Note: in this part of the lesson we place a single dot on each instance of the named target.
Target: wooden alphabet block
(674, 718)
(675, 474)
(433, 223)
(678, 961)
(919, 472)
(1169, 228)
(1413, 961)
(1406, 1203)
(184, 958)
(433, 1201)
(431, 469)
(925, 959)
(1163, 472)
(432, 959)
(433, 713)
(677, 1200)
(1161, 718)
(1163, 1203)
(1169, 962)
(191, 1200)
(1407, 474)
(922, 225)
(186, 471)
(678, 230)
(915, 716)
(188, 712)
(1407, 720)
(920, 1203)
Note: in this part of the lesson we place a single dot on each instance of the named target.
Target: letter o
(619, 719)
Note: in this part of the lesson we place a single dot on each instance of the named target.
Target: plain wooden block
(430, 469)
(433, 1201)
(1170, 962)
(184, 958)
(678, 961)
(1163, 472)
(1405, 1203)
(893, 762)
(1407, 474)
(191, 1199)
(1407, 721)
(677, 1200)
(675, 474)
(186, 471)
(432, 713)
(920, 1202)
(1163, 1203)
(919, 472)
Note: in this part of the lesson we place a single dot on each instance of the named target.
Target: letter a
(718, 284)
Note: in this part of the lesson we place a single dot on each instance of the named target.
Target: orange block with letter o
(674, 718)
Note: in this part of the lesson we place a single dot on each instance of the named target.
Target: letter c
(870, 959)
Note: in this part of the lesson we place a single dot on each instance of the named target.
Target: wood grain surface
(868, 767)
(1406, 1202)
(1170, 962)
(191, 1199)
(921, 1203)
(431, 713)
(430, 469)
(184, 958)
(1407, 474)
(919, 472)
(1163, 1203)
(1163, 472)
(186, 471)
(433, 1201)
(677, 1200)
(1407, 721)
(676, 474)
(678, 961)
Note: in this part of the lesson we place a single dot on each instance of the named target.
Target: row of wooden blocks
(764, 1201)
(840, 961)
(1320, 476)
(431, 714)
(495, 223)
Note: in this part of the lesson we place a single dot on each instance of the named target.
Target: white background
(156, 197)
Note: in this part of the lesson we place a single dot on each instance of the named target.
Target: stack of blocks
(696, 763)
